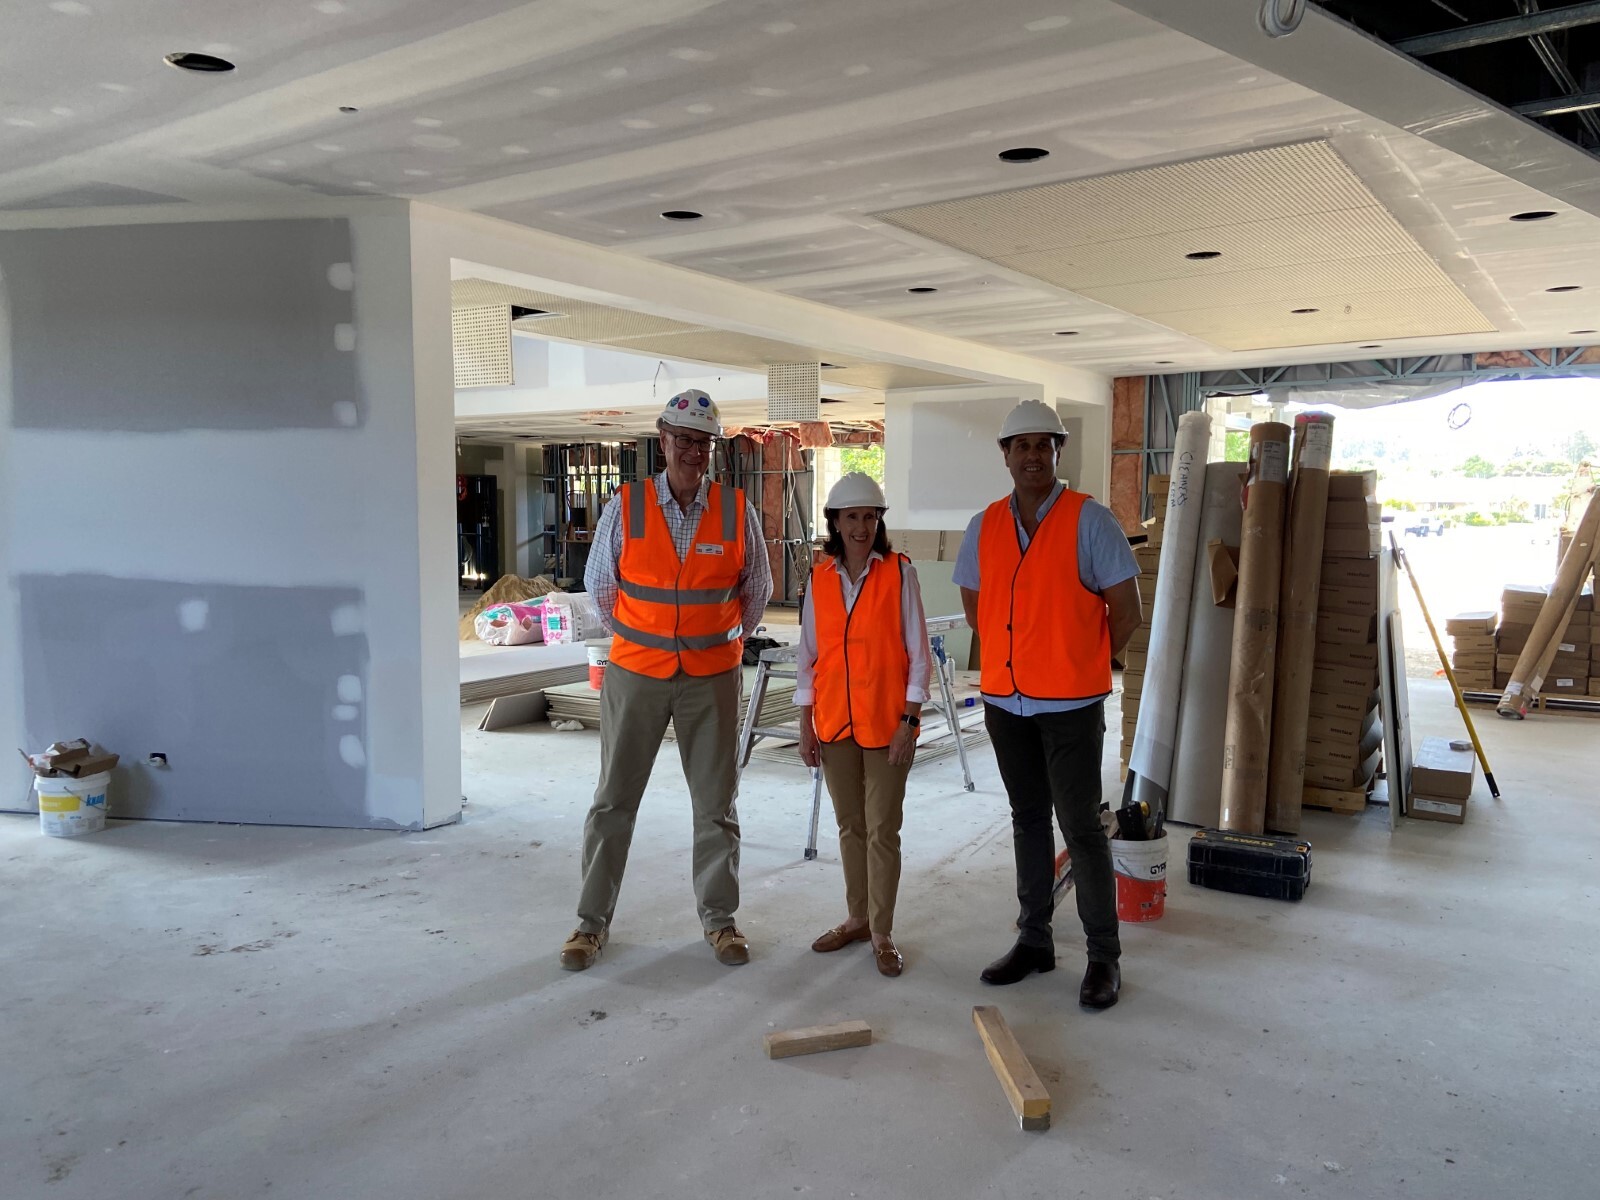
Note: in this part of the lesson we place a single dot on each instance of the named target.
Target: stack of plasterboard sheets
(580, 702)
(488, 672)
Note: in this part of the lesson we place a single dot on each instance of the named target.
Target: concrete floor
(223, 1012)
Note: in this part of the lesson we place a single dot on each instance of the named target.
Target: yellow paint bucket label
(59, 804)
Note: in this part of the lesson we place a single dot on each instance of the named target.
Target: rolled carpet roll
(1203, 707)
(1297, 619)
(1247, 742)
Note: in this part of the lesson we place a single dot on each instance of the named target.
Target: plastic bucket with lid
(72, 807)
(1141, 869)
(599, 656)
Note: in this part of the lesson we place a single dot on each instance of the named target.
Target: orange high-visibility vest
(677, 614)
(1044, 635)
(862, 666)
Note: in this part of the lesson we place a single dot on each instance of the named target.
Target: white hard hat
(855, 490)
(1032, 416)
(693, 410)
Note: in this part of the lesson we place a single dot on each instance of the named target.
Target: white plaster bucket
(72, 807)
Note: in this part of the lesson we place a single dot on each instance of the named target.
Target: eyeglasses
(684, 441)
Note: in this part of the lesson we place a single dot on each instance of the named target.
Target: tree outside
(866, 459)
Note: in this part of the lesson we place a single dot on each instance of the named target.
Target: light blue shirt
(1105, 559)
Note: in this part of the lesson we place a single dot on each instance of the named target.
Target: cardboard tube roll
(1203, 706)
(1540, 652)
(1248, 737)
(1297, 619)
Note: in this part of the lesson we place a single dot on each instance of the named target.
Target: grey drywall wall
(257, 695)
(203, 325)
(321, 550)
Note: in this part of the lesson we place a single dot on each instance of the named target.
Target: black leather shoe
(1101, 983)
(1018, 963)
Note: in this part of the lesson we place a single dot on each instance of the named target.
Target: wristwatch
(911, 721)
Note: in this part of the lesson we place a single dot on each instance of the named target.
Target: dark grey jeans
(1050, 764)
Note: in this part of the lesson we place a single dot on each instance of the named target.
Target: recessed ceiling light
(1066, 333)
(348, 108)
(1303, 311)
(189, 60)
(681, 214)
(1023, 154)
(1537, 214)
(921, 291)
(1203, 255)
(1566, 287)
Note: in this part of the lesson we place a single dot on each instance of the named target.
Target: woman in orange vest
(863, 678)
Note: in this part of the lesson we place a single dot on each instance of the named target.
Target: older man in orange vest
(679, 572)
(1049, 582)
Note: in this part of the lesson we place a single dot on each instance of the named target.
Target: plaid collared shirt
(605, 554)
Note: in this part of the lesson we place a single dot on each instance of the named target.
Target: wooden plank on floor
(817, 1038)
(1018, 1080)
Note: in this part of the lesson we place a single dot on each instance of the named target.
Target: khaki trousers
(634, 711)
(868, 800)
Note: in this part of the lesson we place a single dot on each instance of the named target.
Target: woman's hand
(903, 746)
(810, 751)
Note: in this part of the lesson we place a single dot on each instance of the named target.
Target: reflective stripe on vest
(677, 614)
(862, 666)
(1043, 634)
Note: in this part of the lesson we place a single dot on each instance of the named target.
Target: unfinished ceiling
(781, 128)
(638, 333)
(1268, 248)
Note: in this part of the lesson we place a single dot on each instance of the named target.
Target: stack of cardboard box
(1570, 671)
(1344, 738)
(1590, 613)
(1441, 780)
(1472, 660)
(1148, 556)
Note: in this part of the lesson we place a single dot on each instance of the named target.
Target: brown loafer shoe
(581, 949)
(890, 961)
(839, 937)
(730, 947)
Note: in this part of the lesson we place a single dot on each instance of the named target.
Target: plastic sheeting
(1150, 764)
(1194, 796)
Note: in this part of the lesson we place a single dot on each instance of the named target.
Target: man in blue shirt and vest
(1048, 580)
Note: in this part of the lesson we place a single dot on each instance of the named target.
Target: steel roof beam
(1508, 29)
(1559, 105)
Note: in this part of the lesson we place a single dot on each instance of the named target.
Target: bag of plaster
(510, 624)
(571, 617)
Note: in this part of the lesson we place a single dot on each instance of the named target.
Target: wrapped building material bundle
(1247, 742)
(1297, 619)
(1150, 765)
(1208, 650)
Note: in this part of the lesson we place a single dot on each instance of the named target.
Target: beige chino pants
(868, 800)
(634, 711)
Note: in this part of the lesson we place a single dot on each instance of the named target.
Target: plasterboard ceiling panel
(1305, 286)
(1260, 185)
(727, 349)
(1285, 242)
(884, 376)
(1421, 312)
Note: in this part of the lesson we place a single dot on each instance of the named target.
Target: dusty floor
(224, 1012)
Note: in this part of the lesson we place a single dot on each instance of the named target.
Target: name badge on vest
(708, 547)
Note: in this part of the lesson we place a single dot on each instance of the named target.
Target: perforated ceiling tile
(794, 391)
(1348, 318)
(1283, 242)
(481, 341)
(1293, 227)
